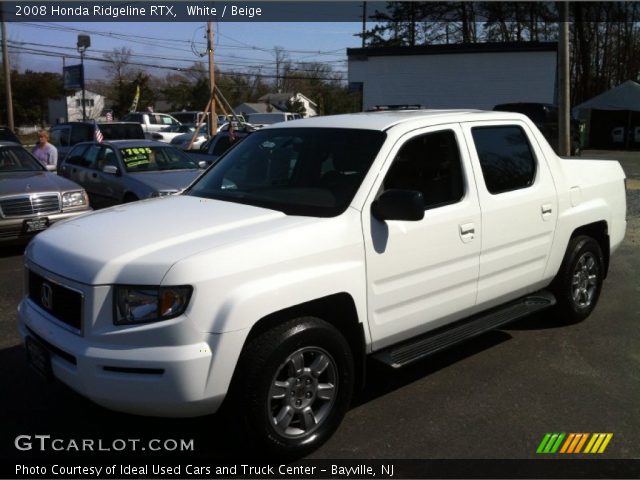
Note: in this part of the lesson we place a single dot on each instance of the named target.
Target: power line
(145, 40)
(291, 75)
(21, 45)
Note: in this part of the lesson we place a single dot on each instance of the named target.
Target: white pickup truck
(308, 247)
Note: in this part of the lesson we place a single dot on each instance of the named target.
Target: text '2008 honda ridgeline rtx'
(309, 246)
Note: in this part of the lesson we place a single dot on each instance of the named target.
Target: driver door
(424, 274)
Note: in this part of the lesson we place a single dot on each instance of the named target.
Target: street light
(84, 42)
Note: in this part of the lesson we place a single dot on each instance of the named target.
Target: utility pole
(213, 121)
(7, 73)
(364, 24)
(564, 126)
(84, 42)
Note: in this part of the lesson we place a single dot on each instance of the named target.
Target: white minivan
(262, 119)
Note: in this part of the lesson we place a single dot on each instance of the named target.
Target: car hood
(167, 180)
(138, 243)
(15, 183)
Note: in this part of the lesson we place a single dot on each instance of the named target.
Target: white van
(262, 119)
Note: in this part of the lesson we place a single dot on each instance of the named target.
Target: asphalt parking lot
(493, 397)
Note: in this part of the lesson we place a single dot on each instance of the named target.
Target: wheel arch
(338, 309)
(599, 231)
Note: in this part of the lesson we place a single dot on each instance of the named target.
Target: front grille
(61, 302)
(27, 205)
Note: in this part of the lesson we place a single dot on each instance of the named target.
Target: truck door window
(506, 158)
(429, 164)
(81, 133)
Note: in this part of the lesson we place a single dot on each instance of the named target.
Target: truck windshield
(299, 171)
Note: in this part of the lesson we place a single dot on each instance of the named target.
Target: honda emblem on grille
(46, 296)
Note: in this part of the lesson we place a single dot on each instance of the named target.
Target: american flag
(109, 116)
(97, 133)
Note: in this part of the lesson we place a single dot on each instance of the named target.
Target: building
(277, 102)
(69, 109)
(478, 75)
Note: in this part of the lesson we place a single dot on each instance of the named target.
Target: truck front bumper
(168, 381)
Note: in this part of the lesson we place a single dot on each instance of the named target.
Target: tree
(122, 77)
(27, 107)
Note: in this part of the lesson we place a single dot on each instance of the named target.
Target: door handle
(547, 210)
(467, 232)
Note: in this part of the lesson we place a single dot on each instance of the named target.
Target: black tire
(293, 386)
(579, 282)
(129, 197)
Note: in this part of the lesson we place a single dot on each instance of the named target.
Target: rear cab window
(506, 157)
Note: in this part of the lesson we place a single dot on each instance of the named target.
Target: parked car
(218, 145)
(183, 141)
(31, 198)
(7, 135)
(151, 122)
(261, 119)
(308, 248)
(66, 135)
(617, 135)
(123, 171)
(167, 134)
(545, 117)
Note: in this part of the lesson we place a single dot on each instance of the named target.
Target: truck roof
(383, 120)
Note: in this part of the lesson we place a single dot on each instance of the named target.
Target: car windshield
(298, 171)
(17, 159)
(153, 159)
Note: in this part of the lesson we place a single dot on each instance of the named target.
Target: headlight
(75, 199)
(135, 304)
(163, 193)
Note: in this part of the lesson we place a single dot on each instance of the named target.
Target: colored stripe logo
(574, 443)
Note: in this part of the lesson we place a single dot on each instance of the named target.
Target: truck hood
(12, 183)
(138, 243)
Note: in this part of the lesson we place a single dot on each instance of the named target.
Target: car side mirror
(112, 169)
(396, 204)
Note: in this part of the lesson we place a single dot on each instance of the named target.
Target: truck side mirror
(399, 205)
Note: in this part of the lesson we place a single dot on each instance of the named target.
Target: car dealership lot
(493, 397)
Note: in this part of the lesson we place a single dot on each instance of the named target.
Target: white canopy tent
(625, 96)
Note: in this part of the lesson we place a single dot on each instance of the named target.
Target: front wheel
(294, 385)
(578, 284)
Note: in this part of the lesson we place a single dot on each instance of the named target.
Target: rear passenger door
(519, 209)
(423, 274)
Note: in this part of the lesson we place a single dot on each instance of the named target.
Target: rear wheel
(578, 284)
(294, 385)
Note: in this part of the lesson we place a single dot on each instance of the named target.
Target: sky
(238, 46)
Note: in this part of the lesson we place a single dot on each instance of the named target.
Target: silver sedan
(31, 198)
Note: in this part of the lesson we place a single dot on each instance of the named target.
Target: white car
(167, 134)
(186, 141)
(308, 247)
(617, 135)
